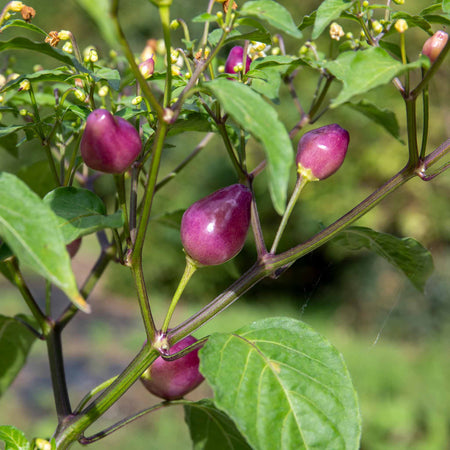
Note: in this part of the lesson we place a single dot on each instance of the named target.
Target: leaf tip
(81, 304)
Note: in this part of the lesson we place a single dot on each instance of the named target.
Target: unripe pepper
(109, 144)
(213, 230)
(321, 152)
(434, 45)
(174, 379)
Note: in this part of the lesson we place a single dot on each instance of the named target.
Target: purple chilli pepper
(109, 144)
(172, 380)
(321, 152)
(213, 230)
(234, 61)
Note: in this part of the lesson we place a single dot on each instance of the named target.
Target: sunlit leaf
(284, 386)
(13, 438)
(30, 228)
(22, 24)
(328, 11)
(365, 70)
(212, 429)
(383, 117)
(258, 117)
(406, 254)
(273, 13)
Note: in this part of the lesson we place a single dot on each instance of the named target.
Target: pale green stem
(299, 185)
(189, 270)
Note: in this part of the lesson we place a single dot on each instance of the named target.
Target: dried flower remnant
(53, 38)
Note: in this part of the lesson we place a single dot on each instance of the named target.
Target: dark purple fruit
(109, 144)
(434, 45)
(213, 230)
(235, 60)
(321, 152)
(73, 247)
(172, 380)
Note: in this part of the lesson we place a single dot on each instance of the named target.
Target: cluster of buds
(90, 54)
(336, 31)
(27, 12)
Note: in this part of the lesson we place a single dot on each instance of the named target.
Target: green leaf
(205, 17)
(328, 11)
(15, 344)
(13, 438)
(55, 76)
(37, 177)
(21, 43)
(80, 212)
(384, 117)
(256, 116)
(111, 76)
(406, 254)
(212, 429)
(284, 386)
(446, 6)
(9, 143)
(269, 84)
(436, 18)
(364, 70)
(272, 13)
(22, 24)
(99, 13)
(30, 228)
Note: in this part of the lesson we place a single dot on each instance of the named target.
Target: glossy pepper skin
(434, 45)
(213, 230)
(109, 144)
(172, 380)
(235, 57)
(322, 151)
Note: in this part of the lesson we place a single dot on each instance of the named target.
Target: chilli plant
(277, 383)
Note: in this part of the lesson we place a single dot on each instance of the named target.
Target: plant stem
(164, 14)
(189, 270)
(58, 376)
(299, 185)
(411, 123)
(85, 400)
(74, 426)
(117, 426)
(270, 263)
(150, 188)
(425, 120)
(18, 280)
(121, 193)
(130, 57)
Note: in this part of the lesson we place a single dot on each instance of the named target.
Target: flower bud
(109, 144)
(235, 57)
(172, 380)
(321, 152)
(213, 230)
(147, 67)
(434, 45)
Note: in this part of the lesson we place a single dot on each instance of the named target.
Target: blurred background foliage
(395, 340)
